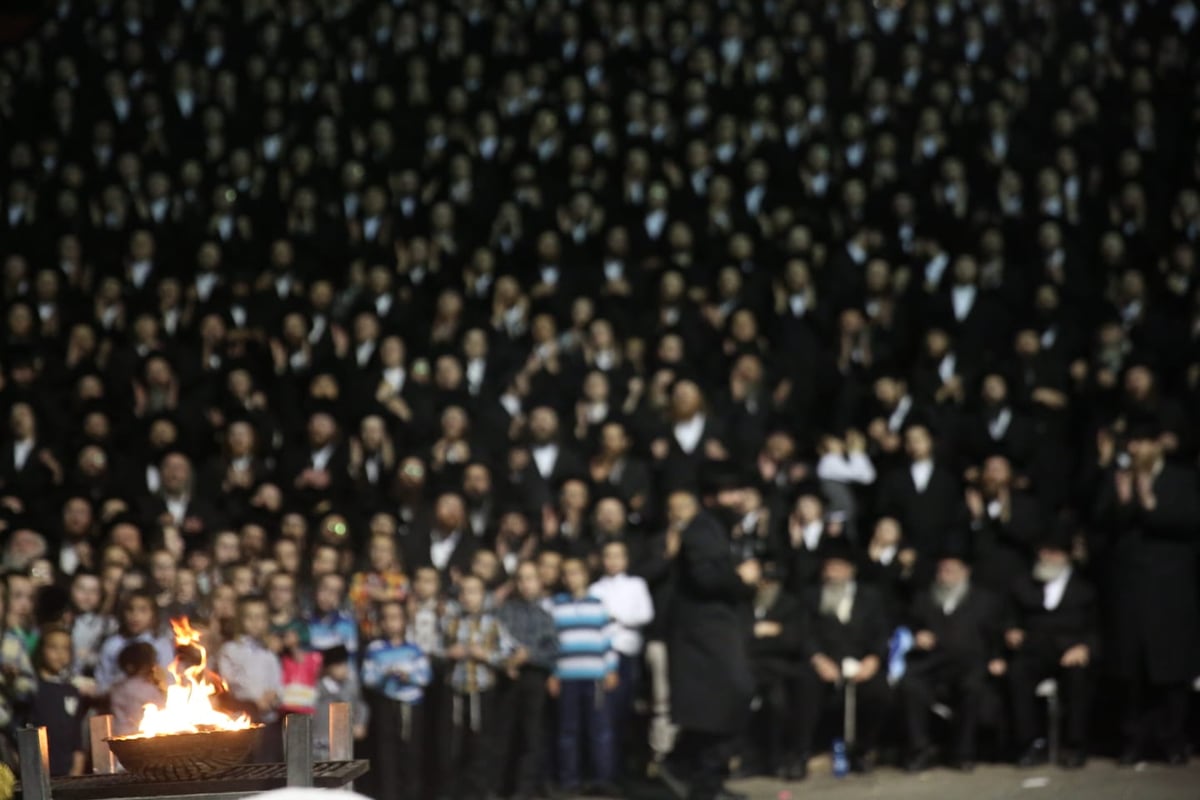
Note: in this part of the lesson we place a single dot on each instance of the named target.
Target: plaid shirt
(533, 628)
(426, 628)
(480, 630)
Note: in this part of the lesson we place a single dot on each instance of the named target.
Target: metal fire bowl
(185, 756)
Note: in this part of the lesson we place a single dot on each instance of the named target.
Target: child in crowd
(57, 705)
(395, 674)
(477, 647)
(137, 615)
(384, 581)
(428, 611)
(338, 684)
(329, 625)
(20, 620)
(281, 599)
(585, 675)
(627, 599)
(301, 668)
(253, 673)
(143, 683)
(532, 627)
(91, 626)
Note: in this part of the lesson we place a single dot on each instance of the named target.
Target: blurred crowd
(323, 318)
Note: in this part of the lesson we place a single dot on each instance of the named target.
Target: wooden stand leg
(103, 760)
(341, 733)
(35, 763)
(298, 750)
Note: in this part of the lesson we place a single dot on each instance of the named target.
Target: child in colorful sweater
(584, 678)
(395, 674)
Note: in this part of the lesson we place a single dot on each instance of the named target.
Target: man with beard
(1052, 634)
(1149, 516)
(846, 623)
(1004, 525)
(775, 655)
(708, 642)
(958, 641)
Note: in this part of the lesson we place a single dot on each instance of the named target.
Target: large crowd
(402, 346)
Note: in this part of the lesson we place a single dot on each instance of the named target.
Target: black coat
(967, 638)
(1148, 561)
(709, 634)
(779, 657)
(1002, 549)
(1050, 633)
(865, 634)
(926, 517)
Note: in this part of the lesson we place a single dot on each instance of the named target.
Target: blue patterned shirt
(382, 667)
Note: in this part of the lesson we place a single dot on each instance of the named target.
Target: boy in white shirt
(628, 602)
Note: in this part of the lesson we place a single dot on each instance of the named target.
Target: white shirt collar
(688, 433)
(922, 472)
(546, 458)
(1053, 591)
(441, 549)
(320, 458)
(21, 452)
(896, 420)
(963, 298)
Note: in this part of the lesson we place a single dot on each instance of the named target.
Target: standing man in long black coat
(1148, 516)
(712, 684)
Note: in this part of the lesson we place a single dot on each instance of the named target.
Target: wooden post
(103, 760)
(35, 763)
(298, 750)
(341, 733)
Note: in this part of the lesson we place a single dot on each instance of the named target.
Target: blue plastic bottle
(841, 762)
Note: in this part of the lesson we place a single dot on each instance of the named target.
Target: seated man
(958, 640)
(845, 623)
(775, 655)
(1052, 634)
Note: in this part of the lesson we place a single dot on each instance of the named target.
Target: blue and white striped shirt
(585, 649)
(384, 661)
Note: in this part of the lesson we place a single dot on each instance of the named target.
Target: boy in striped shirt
(585, 676)
(395, 674)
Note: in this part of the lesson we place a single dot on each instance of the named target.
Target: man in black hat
(708, 640)
(1147, 517)
(846, 641)
(958, 641)
(775, 654)
(1052, 634)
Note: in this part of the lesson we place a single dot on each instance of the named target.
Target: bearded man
(1147, 520)
(1052, 634)
(846, 624)
(958, 641)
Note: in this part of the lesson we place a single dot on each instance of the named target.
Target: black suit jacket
(967, 638)
(865, 634)
(709, 634)
(419, 551)
(776, 657)
(925, 516)
(1050, 633)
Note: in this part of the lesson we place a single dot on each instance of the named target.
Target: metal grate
(247, 778)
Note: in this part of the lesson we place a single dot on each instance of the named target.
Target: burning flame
(189, 707)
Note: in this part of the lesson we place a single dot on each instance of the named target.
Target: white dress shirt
(849, 468)
(546, 458)
(1052, 591)
(441, 549)
(21, 452)
(627, 600)
(320, 458)
(688, 433)
(963, 298)
(921, 472)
